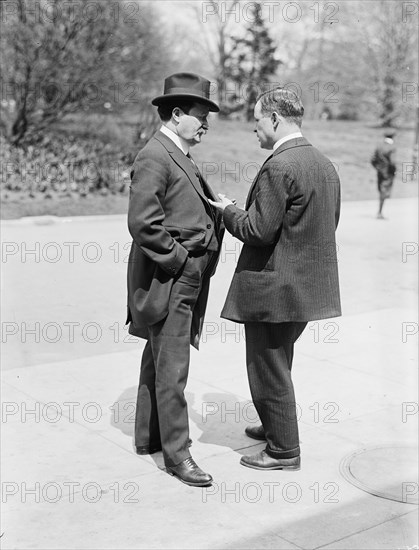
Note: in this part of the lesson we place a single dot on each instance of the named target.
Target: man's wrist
(228, 206)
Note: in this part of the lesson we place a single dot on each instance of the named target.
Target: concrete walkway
(70, 476)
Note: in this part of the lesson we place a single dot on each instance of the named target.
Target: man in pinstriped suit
(287, 272)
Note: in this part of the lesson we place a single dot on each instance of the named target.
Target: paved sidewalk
(70, 476)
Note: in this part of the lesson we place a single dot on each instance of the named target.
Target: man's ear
(176, 113)
(275, 119)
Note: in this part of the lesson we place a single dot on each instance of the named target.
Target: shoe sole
(190, 483)
(271, 467)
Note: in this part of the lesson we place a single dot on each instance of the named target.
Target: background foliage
(77, 78)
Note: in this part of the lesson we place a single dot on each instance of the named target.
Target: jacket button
(209, 226)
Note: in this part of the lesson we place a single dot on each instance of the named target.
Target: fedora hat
(186, 86)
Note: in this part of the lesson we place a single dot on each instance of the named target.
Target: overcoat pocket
(152, 303)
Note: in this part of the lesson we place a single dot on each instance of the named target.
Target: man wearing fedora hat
(177, 237)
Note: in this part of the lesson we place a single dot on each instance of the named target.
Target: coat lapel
(182, 161)
(249, 195)
(209, 192)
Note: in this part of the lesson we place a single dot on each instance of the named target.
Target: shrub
(65, 164)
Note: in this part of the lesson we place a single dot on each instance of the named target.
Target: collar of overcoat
(290, 144)
(185, 164)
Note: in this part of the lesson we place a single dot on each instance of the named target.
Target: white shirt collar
(286, 138)
(177, 140)
(389, 140)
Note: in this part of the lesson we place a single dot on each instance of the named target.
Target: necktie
(201, 181)
(197, 172)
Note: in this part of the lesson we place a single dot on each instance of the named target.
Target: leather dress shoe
(262, 461)
(149, 450)
(255, 432)
(190, 473)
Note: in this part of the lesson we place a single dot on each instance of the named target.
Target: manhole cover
(389, 471)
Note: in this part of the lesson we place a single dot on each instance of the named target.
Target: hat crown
(187, 83)
(187, 86)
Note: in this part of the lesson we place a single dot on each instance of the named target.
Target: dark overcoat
(169, 218)
(287, 269)
(383, 160)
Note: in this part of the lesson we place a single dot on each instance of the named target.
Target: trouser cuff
(292, 453)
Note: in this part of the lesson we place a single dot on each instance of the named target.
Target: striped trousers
(269, 355)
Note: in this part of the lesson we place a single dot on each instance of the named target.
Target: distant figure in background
(383, 161)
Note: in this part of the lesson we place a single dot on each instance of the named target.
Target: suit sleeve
(149, 179)
(261, 223)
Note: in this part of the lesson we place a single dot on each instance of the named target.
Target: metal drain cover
(388, 471)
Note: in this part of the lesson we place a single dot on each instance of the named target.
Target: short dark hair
(285, 102)
(165, 109)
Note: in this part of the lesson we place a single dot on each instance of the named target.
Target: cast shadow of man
(220, 417)
(123, 419)
(123, 412)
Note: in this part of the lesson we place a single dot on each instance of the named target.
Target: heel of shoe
(293, 467)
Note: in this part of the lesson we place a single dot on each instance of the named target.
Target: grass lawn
(230, 156)
(232, 152)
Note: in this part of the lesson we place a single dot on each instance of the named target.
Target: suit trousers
(269, 355)
(162, 414)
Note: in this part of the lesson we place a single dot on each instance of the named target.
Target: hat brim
(161, 99)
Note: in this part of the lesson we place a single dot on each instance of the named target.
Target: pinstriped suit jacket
(287, 270)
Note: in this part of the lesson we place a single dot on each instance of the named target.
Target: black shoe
(255, 432)
(190, 473)
(262, 461)
(146, 450)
